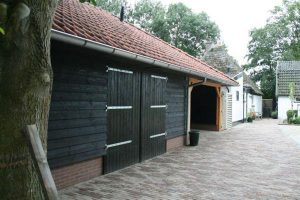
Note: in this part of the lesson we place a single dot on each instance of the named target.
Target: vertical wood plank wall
(153, 92)
(77, 119)
(123, 124)
(176, 98)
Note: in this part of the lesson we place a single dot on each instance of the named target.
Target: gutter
(82, 42)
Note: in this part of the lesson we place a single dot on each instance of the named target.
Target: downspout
(246, 102)
(243, 106)
(244, 93)
(227, 89)
(190, 89)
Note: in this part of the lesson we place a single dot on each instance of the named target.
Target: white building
(252, 97)
(239, 100)
(287, 72)
(232, 102)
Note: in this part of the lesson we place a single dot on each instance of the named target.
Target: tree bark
(25, 88)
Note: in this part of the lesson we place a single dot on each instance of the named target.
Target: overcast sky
(235, 19)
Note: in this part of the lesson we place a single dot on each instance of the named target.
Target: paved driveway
(250, 161)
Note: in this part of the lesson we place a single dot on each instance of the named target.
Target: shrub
(297, 120)
(290, 114)
(249, 119)
(274, 114)
(291, 121)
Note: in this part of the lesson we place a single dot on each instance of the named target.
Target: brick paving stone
(251, 161)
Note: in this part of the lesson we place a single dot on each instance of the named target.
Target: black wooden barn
(120, 95)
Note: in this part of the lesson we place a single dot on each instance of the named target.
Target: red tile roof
(93, 23)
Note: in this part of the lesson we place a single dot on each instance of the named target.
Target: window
(237, 95)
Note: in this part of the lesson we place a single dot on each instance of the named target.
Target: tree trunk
(25, 88)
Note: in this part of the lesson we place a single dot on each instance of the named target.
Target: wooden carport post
(219, 108)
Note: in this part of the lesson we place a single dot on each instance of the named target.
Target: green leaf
(93, 2)
(176, 24)
(278, 40)
(2, 31)
(89, 1)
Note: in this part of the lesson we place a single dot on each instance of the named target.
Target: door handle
(158, 135)
(107, 146)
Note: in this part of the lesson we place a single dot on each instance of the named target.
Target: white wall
(252, 103)
(237, 105)
(248, 102)
(257, 103)
(284, 104)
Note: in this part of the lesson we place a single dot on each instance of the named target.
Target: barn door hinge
(107, 146)
(118, 107)
(159, 77)
(159, 106)
(118, 70)
(158, 135)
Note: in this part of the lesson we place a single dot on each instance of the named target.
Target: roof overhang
(82, 42)
(251, 90)
(237, 76)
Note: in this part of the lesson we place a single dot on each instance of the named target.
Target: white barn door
(224, 110)
(229, 111)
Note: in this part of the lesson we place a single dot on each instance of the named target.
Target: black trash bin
(194, 137)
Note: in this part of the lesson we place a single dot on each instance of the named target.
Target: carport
(205, 105)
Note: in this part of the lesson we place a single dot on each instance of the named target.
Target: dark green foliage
(291, 114)
(278, 40)
(190, 31)
(274, 114)
(267, 82)
(89, 1)
(150, 16)
(249, 119)
(114, 6)
(297, 120)
(2, 31)
(176, 24)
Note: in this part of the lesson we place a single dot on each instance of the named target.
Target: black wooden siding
(152, 119)
(177, 106)
(77, 121)
(123, 124)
